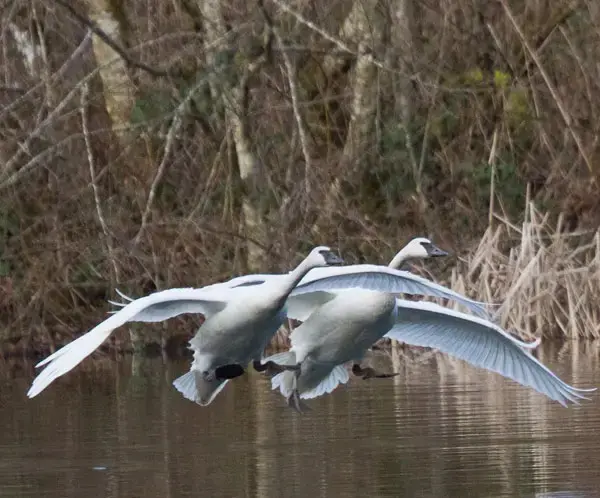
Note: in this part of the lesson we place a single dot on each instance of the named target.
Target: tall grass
(546, 279)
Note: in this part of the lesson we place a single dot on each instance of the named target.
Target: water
(441, 429)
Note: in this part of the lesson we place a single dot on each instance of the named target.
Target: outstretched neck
(293, 278)
(399, 259)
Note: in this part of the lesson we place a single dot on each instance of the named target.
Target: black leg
(272, 368)
(296, 403)
(259, 367)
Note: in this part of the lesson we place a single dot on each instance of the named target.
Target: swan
(239, 324)
(299, 307)
(343, 328)
(314, 289)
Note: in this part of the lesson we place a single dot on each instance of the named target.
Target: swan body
(239, 323)
(347, 325)
(419, 323)
(339, 331)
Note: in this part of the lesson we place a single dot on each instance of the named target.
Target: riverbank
(546, 279)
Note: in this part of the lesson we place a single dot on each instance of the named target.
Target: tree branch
(83, 109)
(291, 76)
(171, 134)
(100, 33)
(561, 107)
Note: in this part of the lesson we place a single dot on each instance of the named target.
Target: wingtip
(124, 296)
(33, 391)
(532, 345)
(115, 303)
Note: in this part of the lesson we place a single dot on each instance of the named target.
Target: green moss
(517, 109)
(473, 76)
(501, 79)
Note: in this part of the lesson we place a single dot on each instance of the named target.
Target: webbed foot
(296, 403)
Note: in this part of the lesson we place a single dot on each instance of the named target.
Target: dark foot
(258, 366)
(369, 373)
(296, 403)
(229, 371)
(271, 368)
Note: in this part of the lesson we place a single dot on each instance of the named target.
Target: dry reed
(547, 280)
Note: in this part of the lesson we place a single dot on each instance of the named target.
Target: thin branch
(173, 129)
(291, 76)
(13, 89)
(561, 107)
(301, 19)
(171, 134)
(492, 164)
(336, 41)
(81, 48)
(24, 147)
(83, 109)
(100, 33)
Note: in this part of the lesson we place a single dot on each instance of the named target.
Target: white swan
(347, 325)
(239, 324)
(314, 289)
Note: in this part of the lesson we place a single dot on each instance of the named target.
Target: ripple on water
(439, 429)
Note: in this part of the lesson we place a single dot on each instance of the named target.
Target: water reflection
(441, 429)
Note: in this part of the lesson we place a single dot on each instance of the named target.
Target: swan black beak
(434, 251)
(332, 259)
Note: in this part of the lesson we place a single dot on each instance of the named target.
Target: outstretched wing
(300, 307)
(155, 307)
(481, 343)
(383, 279)
(245, 281)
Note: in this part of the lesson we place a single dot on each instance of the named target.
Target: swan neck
(399, 259)
(293, 278)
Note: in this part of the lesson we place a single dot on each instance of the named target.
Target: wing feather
(383, 279)
(481, 343)
(155, 307)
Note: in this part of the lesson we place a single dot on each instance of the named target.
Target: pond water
(117, 428)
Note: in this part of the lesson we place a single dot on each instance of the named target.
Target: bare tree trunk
(353, 29)
(254, 228)
(366, 24)
(119, 92)
(27, 46)
(119, 98)
(403, 38)
(234, 92)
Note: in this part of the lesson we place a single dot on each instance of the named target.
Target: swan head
(422, 248)
(323, 256)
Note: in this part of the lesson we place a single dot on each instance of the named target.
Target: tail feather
(339, 375)
(286, 383)
(196, 388)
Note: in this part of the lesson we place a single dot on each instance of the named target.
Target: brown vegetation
(146, 145)
(548, 281)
